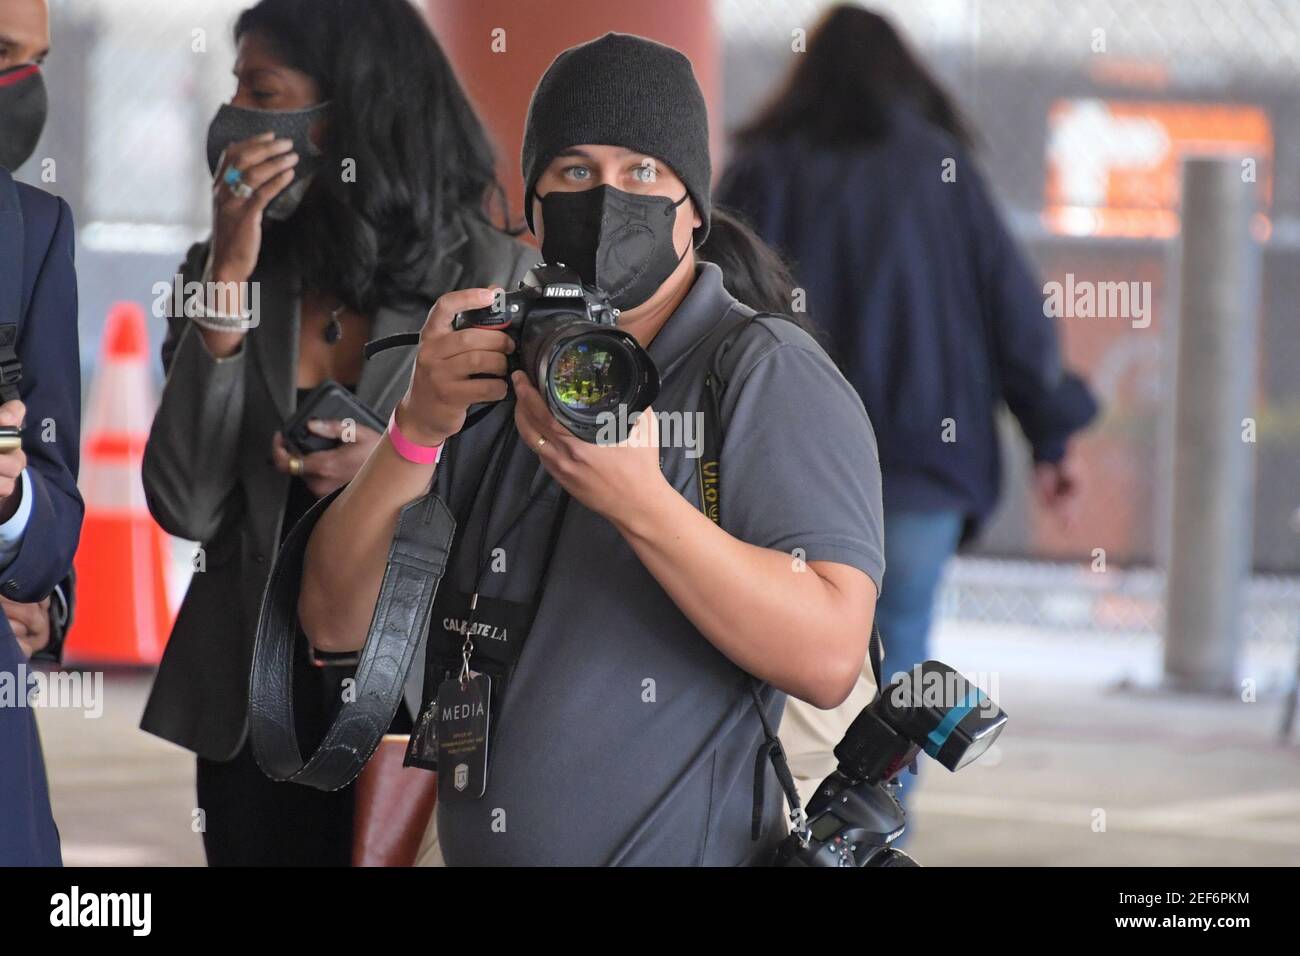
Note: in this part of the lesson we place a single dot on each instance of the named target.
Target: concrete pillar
(500, 82)
(1213, 468)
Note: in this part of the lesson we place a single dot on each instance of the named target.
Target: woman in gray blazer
(351, 181)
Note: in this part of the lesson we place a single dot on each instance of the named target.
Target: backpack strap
(708, 474)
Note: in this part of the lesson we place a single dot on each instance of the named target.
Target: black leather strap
(417, 559)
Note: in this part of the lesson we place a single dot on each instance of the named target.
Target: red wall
(500, 83)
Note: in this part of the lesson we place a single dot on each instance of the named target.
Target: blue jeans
(917, 546)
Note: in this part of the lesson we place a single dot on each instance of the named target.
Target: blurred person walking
(352, 183)
(40, 508)
(860, 169)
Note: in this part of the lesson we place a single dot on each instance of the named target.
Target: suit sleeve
(51, 391)
(1049, 402)
(191, 460)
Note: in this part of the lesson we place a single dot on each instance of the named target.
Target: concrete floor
(1176, 780)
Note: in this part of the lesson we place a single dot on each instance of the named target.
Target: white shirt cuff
(12, 531)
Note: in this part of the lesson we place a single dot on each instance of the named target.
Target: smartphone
(329, 400)
(11, 438)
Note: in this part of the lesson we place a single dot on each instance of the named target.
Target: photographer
(627, 734)
(324, 88)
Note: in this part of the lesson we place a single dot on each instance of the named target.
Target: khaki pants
(809, 734)
(430, 851)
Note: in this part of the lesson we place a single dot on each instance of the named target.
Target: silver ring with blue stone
(235, 180)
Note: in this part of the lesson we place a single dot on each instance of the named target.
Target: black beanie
(621, 90)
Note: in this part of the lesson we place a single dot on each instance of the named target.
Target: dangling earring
(334, 328)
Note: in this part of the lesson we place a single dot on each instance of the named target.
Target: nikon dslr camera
(569, 345)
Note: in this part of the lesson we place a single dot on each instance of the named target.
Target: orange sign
(1113, 166)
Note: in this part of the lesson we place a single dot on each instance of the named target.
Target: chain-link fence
(1083, 112)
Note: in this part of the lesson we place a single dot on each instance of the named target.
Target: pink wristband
(419, 454)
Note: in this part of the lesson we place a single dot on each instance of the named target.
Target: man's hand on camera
(608, 479)
(30, 624)
(11, 463)
(442, 390)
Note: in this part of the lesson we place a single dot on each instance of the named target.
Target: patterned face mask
(622, 243)
(235, 123)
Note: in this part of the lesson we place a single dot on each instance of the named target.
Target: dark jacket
(38, 292)
(932, 311)
(208, 475)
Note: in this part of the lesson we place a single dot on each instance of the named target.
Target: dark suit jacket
(38, 292)
(208, 475)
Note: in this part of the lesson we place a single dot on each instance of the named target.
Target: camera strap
(417, 559)
(708, 475)
(454, 646)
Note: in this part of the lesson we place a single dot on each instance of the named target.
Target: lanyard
(500, 454)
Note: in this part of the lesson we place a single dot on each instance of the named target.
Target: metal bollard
(1213, 467)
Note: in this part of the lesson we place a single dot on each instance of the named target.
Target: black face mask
(622, 243)
(235, 123)
(23, 106)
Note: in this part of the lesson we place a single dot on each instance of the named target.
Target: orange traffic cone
(122, 617)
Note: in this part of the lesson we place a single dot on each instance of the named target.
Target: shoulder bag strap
(417, 560)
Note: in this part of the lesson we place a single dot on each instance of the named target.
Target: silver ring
(241, 189)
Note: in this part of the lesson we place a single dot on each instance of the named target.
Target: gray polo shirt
(626, 737)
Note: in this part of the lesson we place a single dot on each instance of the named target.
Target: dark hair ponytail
(753, 272)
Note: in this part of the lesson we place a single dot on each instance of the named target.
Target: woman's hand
(324, 471)
(611, 480)
(1059, 488)
(441, 389)
(266, 166)
(30, 624)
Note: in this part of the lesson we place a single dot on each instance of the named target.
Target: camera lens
(590, 374)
